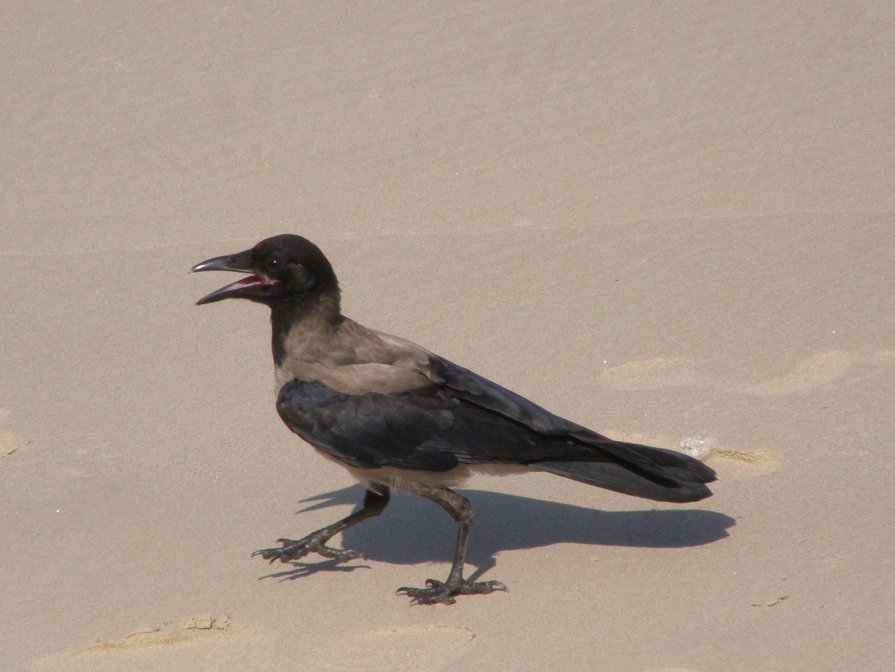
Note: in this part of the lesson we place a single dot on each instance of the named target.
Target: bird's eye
(273, 264)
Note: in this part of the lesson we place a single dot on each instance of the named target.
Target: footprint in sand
(654, 373)
(745, 462)
(824, 368)
(724, 459)
(8, 443)
(193, 629)
(187, 631)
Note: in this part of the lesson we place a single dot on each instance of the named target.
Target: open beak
(251, 287)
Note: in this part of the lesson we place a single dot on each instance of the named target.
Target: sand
(669, 222)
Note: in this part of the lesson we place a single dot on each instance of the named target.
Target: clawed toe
(290, 550)
(437, 592)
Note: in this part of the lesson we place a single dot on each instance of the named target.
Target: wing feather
(425, 429)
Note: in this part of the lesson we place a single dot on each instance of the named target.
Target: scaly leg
(437, 592)
(375, 501)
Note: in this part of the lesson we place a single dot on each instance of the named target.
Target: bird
(398, 416)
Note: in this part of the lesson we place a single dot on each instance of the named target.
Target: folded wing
(463, 418)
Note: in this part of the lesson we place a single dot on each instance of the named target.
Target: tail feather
(633, 469)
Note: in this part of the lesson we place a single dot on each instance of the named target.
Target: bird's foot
(437, 592)
(313, 543)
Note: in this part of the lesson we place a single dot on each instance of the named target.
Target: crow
(398, 416)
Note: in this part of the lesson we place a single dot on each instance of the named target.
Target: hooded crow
(398, 416)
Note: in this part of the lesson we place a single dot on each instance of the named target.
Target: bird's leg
(375, 501)
(437, 592)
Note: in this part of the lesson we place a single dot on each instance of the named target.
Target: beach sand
(670, 223)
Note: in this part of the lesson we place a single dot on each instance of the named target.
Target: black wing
(645, 471)
(487, 394)
(428, 429)
(463, 418)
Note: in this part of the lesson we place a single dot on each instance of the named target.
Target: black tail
(633, 469)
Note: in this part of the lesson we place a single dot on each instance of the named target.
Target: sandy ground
(669, 222)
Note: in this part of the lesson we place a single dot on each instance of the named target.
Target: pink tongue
(250, 280)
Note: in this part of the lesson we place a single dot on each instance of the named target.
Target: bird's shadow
(413, 530)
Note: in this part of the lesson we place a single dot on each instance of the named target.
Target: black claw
(483, 588)
(294, 550)
(437, 592)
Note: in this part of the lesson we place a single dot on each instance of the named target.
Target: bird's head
(282, 269)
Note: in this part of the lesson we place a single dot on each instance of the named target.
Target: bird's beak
(251, 287)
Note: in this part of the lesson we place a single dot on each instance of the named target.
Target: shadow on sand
(414, 530)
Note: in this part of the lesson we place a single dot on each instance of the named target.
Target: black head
(284, 269)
